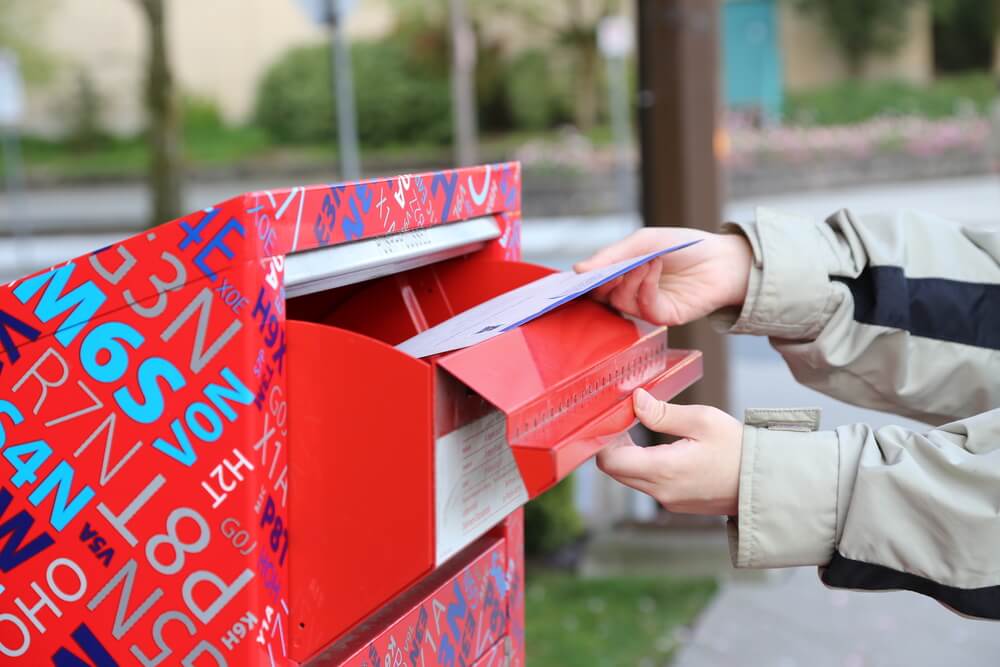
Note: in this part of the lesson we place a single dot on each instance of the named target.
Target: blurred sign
(11, 89)
(320, 10)
(615, 37)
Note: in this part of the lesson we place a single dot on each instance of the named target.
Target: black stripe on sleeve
(846, 573)
(947, 310)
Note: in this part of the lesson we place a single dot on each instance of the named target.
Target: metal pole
(463, 91)
(679, 110)
(618, 103)
(343, 85)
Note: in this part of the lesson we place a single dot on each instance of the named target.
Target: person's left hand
(698, 474)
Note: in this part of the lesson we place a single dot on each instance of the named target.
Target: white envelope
(519, 306)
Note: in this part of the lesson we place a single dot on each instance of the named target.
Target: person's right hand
(681, 286)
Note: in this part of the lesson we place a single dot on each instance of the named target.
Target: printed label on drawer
(477, 482)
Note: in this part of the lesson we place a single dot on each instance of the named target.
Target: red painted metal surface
(188, 477)
(361, 474)
(495, 657)
(543, 463)
(565, 382)
(424, 297)
(144, 429)
(453, 617)
(513, 531)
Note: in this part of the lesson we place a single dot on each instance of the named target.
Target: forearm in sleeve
(875, 509)
(898, 312)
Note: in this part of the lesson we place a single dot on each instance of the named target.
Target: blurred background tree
(861, 28)
(517, 84)
(295, 103)
(572, 28)
(964, 34)
(163, 107)
(18, 20)
(552, 521)
(517, 89)
(85, 130)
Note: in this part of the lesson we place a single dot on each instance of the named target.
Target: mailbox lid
(545, 462)
(565, 381)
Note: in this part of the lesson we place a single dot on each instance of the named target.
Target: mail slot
(223, 456)
(462, 439)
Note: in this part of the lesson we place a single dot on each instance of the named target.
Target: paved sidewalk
(795, 621)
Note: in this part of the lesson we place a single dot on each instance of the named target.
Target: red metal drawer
(454, 616)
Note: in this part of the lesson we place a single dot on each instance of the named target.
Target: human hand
(681, 286)
(698, 474)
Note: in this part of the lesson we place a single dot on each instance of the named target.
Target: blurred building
(771, 47)
(811, 59)
(219, 50)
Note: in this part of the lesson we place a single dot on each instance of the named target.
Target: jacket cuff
(790, 295)
(788, 491)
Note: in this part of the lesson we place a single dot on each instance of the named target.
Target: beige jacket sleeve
(898, 313)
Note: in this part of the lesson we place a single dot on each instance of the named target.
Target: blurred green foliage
(399, 99)
(402, 95)
(861, 28)
(566, 31)
(609, 621)
(964, 32)
(535, 94)
(410, 69)
(294, 100)
(86, 131)
(857, 101)
(551, 520)
(19, 19)
(208, 142)
(200, 117)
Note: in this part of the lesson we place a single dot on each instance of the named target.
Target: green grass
(111, 158)
(226, 146)
(208, 147)
(855, 101)
(123, 158)
(616, 621)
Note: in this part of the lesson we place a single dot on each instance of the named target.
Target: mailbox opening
(463, 438)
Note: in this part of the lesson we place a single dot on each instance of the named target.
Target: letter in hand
(698, 474)
(679, 287)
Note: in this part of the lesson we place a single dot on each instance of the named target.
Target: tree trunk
(996, 37)
(996, 52)
(585, 112)
(162, 105)
(855, 63)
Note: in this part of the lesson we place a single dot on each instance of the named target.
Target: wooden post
(679, 111)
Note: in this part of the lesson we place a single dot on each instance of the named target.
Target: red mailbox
(211, 453)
